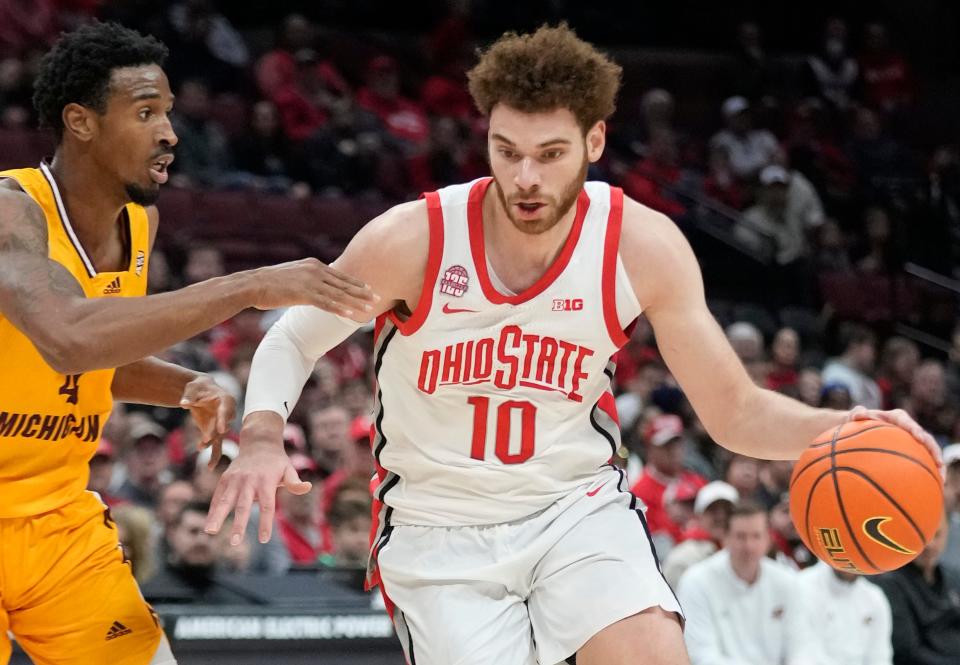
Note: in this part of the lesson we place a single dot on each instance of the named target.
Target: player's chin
(143, 193)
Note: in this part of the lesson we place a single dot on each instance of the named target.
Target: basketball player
(504, 536)
(75, 240)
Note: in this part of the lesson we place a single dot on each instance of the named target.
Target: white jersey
(491, 405)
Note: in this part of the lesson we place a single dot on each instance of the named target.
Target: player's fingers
(222, 502)
(241, 513)
(292, 483)
(216, 452)
(330, 305)
(267, 497)
(353, 285)
(226, 412)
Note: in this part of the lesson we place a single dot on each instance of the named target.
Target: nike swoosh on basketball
(594, 491)
(447, 309)
(871, 527)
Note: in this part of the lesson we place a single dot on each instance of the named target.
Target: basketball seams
(885, 451)
(843, 510)
(809, 502)
(851, 434)
(894, 502)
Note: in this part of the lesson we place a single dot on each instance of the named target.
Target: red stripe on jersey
(608, 405)
(611, 248)
(479, 252)
(434, 256)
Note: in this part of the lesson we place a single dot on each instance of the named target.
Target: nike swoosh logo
(594, 492)
(447, 309)
(871, 527)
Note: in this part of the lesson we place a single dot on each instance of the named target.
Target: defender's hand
(311, 282)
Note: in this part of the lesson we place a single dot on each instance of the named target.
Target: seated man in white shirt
(850, 615)
(741, 607)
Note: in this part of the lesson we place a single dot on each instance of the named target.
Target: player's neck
(92, 205)
(508, 248)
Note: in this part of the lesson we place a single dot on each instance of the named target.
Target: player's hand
(901, 419)
(212, 409)
(254, 476)
(310, 282)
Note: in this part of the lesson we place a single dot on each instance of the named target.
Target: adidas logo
(112, 287)
(117, 630)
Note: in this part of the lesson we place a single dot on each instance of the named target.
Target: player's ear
(596, 140)
(79, 121)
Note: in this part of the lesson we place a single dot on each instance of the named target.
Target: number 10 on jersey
(504, 413)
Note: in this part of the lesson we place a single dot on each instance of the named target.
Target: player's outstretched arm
(77, 334)
(737, 413)
(390, 254)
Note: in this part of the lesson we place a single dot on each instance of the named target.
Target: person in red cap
(666, 446)
(101, 473)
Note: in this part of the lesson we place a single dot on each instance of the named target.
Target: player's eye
(552, 154)
(144, 114)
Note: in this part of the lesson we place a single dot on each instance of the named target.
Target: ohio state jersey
(492, 405)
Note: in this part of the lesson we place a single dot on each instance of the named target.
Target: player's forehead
(530, 130)
(129, 85)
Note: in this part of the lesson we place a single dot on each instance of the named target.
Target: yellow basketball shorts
(67, 594)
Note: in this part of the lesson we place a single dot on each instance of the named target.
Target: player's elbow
(66, 353)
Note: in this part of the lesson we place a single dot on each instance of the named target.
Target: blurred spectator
(276, 68)
(403, 117)
(204, 261)
(300, 522)
(441, 164)
(678, 500)
(784, 354)
(26, 25)
(233, 558)
(160, 278)
(203, 154)
(836, 396)
(885, 74)
(147, 462)
(935, 223)
(785, 543)
(854, 367)
(655, 179)
(721, 183)
(747, 341)
(813, 150)
(898, 362)
(266, 153)
(307, 98)
(809, 385)
(136, 532)
(774, 477)
(755, 73)
(749, 149)
(189, 573)
(830, 249)
(173, 497)
(929, 402)
(787, 210)
(666, 448)
(101, 473)
(238, 337)
(880, 160)
(951, 494)
(204, 478)
(851, 617)
(742, 607)
(329, 436)
(16, 107)
(350, 530)
(711, 510)
(925, 598)
(880, 257)
(832, 73)
(205, 46)
(744, 474)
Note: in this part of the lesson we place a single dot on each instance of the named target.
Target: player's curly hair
(77, 69)
(545, 70)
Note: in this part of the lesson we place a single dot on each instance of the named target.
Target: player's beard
(568, 196)
(142, 196)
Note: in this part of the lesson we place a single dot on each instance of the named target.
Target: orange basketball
(866, 497)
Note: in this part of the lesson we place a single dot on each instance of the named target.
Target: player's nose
(528, 175)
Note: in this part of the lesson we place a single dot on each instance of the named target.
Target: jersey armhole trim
(608, 278)
(434, 256)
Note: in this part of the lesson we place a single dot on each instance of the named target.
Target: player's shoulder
(16, 206)
(403, 226)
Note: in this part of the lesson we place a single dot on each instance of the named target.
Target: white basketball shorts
(525, 592)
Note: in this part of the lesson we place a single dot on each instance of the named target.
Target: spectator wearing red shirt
(784, 353)
(301, 523)
(666, 447)
(404, 118)
(649, 182)
(884, 72)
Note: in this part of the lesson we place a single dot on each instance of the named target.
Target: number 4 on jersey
(71, 388)
(481, 410)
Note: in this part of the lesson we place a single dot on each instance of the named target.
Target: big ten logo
(830, 539)
(454, 281)
(567, 304)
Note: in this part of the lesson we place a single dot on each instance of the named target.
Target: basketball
(866, 497)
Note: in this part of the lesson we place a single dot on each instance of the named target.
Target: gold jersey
(50, 423)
